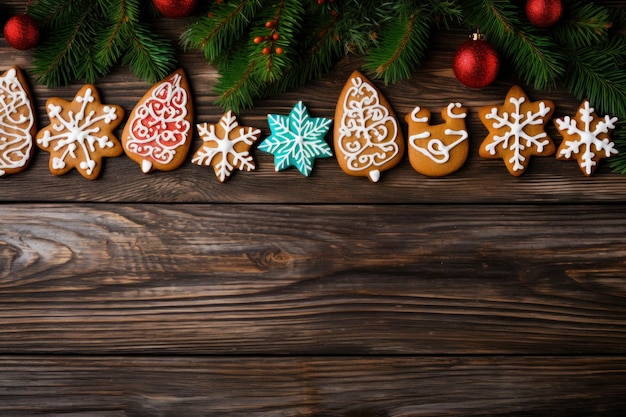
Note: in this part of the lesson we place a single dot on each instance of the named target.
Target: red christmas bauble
(175, 9)
(21, 32)
(544, 13)
(476, 63)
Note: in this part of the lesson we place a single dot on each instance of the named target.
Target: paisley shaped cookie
(80, 133)
(157, 134)
(17, 122)
(367, 137)
(438, 150)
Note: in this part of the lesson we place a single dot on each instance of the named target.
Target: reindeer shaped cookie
(441, 149)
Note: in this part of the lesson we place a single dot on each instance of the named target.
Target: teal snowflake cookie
(297, 140)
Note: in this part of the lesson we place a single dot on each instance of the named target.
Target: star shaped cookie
(517, 130)
(297, 140)
(80, 133)
(226, 146)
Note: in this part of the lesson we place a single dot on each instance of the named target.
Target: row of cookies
(367, 138)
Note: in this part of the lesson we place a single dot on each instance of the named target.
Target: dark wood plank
(433, 85)
(320, 387)
(312, 279)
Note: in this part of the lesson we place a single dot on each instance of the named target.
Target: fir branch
(149, 56)
(402, 45)
(217, 32)
(536, 57)
(284, 19)
(583, 24)
(67, 52)
(237, 88)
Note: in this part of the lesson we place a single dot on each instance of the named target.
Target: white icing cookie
(367, 137)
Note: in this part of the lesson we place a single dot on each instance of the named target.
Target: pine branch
(536, 57)
(66, 53)
(149, 56)
(217, 32)
(401, 47)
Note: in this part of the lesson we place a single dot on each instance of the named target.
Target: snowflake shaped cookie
(17, 122)
(517, 130)
(226, 146)
(586, 138)
(297, 140)
(80, 133)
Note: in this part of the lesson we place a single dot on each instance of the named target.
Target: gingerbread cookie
(586, 138)
(297, 140)
(17, 122)
(367, 137)
(516, 130)
(80, 133)
(226, 146)
(157, 134)
(441, 149)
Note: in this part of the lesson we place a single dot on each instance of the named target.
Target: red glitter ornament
(476, 63)
(21, 32)
(175, 9)
(544, 13)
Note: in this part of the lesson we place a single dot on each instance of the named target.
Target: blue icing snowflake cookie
(297, 140)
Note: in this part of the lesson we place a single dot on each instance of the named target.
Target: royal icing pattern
(586, 138)
(517, 130)
(297, 140)
(226, 146)
(367, 136)
(159, 125)
(80, 133)
(17, 123)
(431, 148)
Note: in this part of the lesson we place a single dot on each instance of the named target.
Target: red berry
(258, 40)
(270, 24)
(279, 50)
(275, 36)
(266, 50)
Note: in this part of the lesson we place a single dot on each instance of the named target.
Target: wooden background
(171, 294)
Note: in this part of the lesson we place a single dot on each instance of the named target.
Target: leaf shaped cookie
(17, 122)
(367, 137)
(157, 134)
(80, 133)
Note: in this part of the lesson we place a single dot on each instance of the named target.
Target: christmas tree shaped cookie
(80, 133)
(226, 146)
(586, 138)
(516, 130)
(17, 122)
(157, 134)
(441, 149)
(367, 137)
(297, 140)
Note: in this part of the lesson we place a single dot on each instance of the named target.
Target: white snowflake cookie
(226, 146)
(517, 130)
(80, 133)
(586, 138)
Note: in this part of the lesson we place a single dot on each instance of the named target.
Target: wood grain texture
(320, 279)
(273, 295)
(318, 387)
